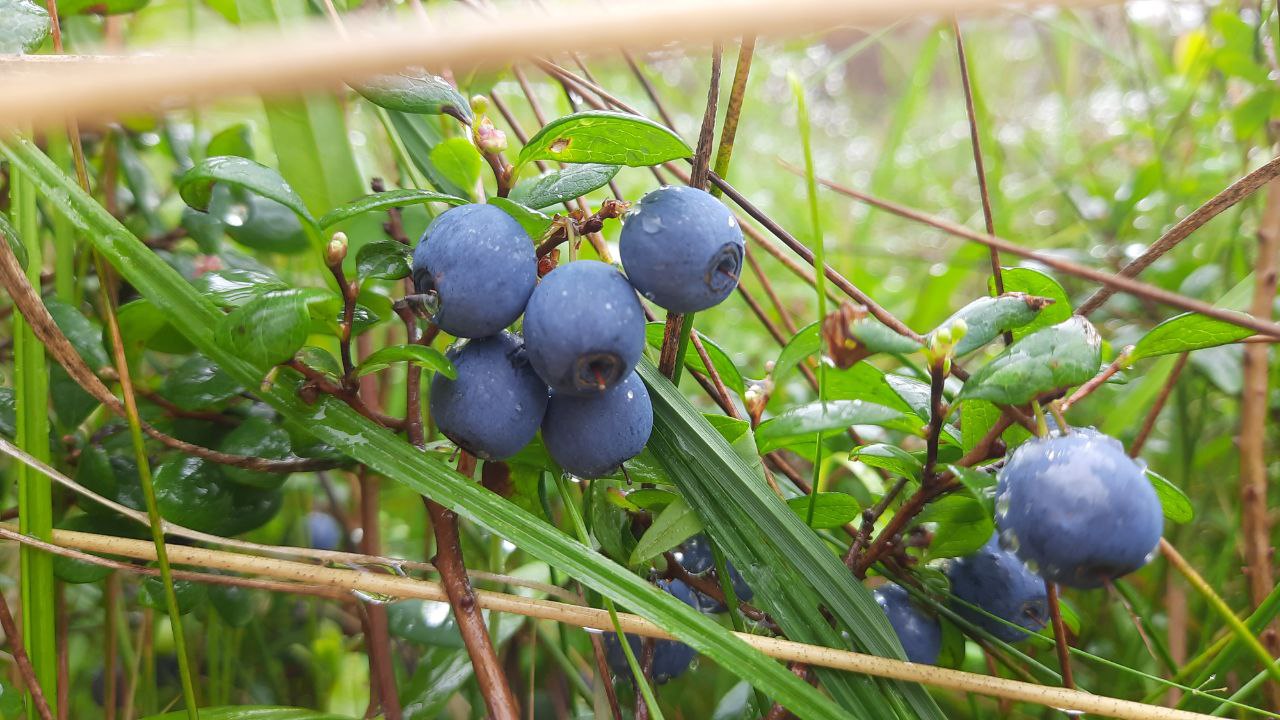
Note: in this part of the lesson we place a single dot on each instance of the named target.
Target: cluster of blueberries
(571, 371)
(1071, 508)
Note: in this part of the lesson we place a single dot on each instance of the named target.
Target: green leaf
(877, 338)
(427, 357)
(423, 622)
(977, 417)
(252, 712)
(987, 317)
(233, 288)
(414, 90)
(261, 438)
(889, 457)
(25, 26)
(384, 260)
(801, 423)
(231, 140)
(84, 334)
(599, 136)
(268, 329)
(557, 186)
(675, 524)
(459, 161)
(831, 509)
(1038, 284)
(191, 595)
(196, 184)
(198, 384)
(16, 245)
(258, 223)
(806, 341)
(419, 136)
(384, 200)
(1187, 332)
(333, 422)
(728, 372)
(100, 7)
(192, 493)
(1175, 503)
(964, 524)
(1059, 356)
(233, 604)
(535, 224)
(610, 524)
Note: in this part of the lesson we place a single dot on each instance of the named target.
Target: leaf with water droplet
(675, 524)
(889, 457)
(964, 524)
(831, 509)
(1036, 283)
(600, 136)
(268, 329)
(414, 90)
(535, 224)
(25, 26)
(420, 355)
(196, 184)
(985, 318)
(557, 186)
(383, 260)
(801, 423)
(1055, 357)
(383, 201)
(1187, 332)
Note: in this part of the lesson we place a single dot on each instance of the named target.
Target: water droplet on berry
(1009, 540)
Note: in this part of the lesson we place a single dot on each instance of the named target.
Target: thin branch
(1059, 634)
(978, 164)
(19, 653)
(1150, 421)
(1116, 282)
(1237, 191)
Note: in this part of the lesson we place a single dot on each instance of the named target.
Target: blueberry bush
(918, 371)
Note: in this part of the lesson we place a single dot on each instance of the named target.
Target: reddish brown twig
(978, 164)
(1059, 634)
(23, 662)
(378, 635)
(1237, 191)
(1096, 381)
(1150, 422)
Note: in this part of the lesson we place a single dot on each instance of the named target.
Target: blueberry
(671, 658)
(481, 266)
(919, 632)
(323, 531)
(995, 580)
(1078, 509)
(591, 436)
(495, 406)
(584, 328)
(696, 557)
(682, 249)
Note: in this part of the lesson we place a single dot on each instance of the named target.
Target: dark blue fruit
(584, 328)
(696, 557)
(682, 249)
(919, 632)
(995, 580)
(494, 407)
(323, 531)
(481, 267)
(671, 658)
(1078, 509)
(592, 436)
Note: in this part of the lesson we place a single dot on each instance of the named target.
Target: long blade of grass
(792, 572)
(35, 496)
(332, 421)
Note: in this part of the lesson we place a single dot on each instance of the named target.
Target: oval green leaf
(384, 200)
(563, 185)
(806, 341)
(675, 524)
(1034, 282)
(427, 357)
(196, 184)
(985, 318)
(1062, 355)
(1187, 332)
(384, 260)
(25, 26)
(801, 423)
(728, 372)
(459, 161)
(268, 329)
(599, 136)
(831, 510)
(1175, 503)
(414, 90)
(535, 224)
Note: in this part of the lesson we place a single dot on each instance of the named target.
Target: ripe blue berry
(591, 436)
(919, 632)
(494, 407)
(671, 658)
(995, 580)
(696, 557)
(1077, 508)
(323, 531)
(682, 249)
(481, 266)
(584, 328)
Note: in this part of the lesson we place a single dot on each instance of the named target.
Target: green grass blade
(35, 499)
(791, 570)
(333, 422)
